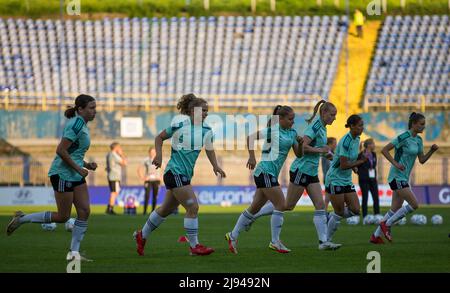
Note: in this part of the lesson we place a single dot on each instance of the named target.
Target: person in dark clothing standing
(151, 176)
(367, 177)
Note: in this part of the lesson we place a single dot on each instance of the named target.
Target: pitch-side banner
(207, 195)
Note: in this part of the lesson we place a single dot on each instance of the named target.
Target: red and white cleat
(201, 250)
(279, 247)
(140, 242)
(376, 240)
(232, 244)
(386, 230)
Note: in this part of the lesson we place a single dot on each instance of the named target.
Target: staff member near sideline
(367, 174)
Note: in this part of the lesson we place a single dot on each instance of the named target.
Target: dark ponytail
(321, 106)
(414, 118)
(70, 112)
(353, 120)
(80, 102)
(280, 111)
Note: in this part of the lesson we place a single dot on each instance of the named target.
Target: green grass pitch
(109, 242)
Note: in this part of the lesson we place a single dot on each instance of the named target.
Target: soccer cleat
(140, 242)
(329, 246)
(14, 223)
(386, 230)
(200, 250)
(376, 240)
(279, 247)
(182, 239)
(232, 244)
(110, 210)
(75, 255)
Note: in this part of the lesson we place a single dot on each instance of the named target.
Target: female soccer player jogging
(189, 134)
(279, 139)
(408, 146)
(67, 175)
(338, 183)
(304, 171)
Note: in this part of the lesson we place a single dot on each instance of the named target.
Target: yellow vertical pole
(147, 103)
(7, 101)
(44, 102)
(422, 99)
(216, 104)
(111, 102)
(388, 103)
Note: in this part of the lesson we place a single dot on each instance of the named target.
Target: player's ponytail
(281, 111)
(414, 118)
(80, 103)
(321, 107)
(70, 112)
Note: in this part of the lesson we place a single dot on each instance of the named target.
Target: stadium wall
(207, 195)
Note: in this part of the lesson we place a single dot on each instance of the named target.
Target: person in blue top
(338, 182)
(279, 138)
(67, 175)
(304, 171)
(189, 134)
(408, 146)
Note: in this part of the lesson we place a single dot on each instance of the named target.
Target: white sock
(320, 221)
(386, 217)
(153, 222)
(42, 217)
(403, 211)
(266, 210)
(79, 228)
(244, 219)
(276, 222)
(333, 225)
(191, 227)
